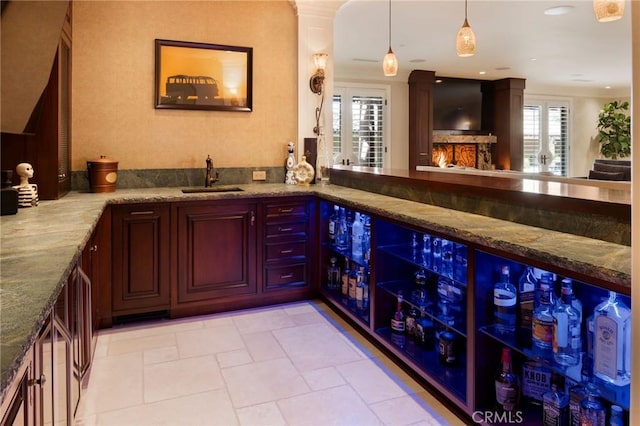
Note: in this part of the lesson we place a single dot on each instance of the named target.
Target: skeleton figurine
(27, 192)
(291, 164)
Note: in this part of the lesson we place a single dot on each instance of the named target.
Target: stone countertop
(38, 246)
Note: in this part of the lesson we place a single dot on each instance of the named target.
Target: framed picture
(203, 76)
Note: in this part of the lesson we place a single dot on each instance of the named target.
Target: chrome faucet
(212, 174)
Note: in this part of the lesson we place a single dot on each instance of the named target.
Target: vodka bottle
(568, 283)
(555, 404)
(567, 339)
(507, 385)
(333, 224)
(542, 323)
(357, 230)
(612, 341)
(446, 253)
(426, 251)
(436, 254)
(333, 275)
(342, 238)
(460, 263)
(504, 304)
(592, 412)
(366, 240)
(616, 418)
(526, 294)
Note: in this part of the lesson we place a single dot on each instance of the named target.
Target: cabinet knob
(94, 248)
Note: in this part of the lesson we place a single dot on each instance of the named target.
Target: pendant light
(390, 62)
(608, 10)
(466, 39)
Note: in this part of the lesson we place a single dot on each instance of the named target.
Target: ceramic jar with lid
(103, 174)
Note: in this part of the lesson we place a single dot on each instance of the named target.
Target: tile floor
(293, 364)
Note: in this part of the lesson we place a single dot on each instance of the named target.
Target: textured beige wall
(113, 84)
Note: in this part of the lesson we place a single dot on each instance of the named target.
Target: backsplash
(160, 178)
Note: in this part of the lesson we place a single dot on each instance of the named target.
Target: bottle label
(352, 287)
(503, 297)
(359, 293)
(552, 415)
(536, 380)
(506, 395)
(543, 331)
(345, 284)
(332, 230)
(560, 331)
(606, 348)
(526, 308)
(397, 325)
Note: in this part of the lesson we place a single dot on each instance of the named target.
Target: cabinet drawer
(286, 276)
(294, 210)
(276, 230)
(285, 250)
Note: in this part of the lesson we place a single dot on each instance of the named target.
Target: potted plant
(614, 130)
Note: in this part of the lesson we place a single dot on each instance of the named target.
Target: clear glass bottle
(555, 403)
(357, 230)
(616, 418)
(592, 412)
(460, 263)
(504, 303)
(342, 237)
(446, 253)
(542, 323)
(567, 339)
(436, 254)
(366, 240)
(577, 393)
(361, 287)
(507, 385)
(333, 224)
(612, 341)
(426, 251)
(420, 281)
(576, 303)
(333, 275)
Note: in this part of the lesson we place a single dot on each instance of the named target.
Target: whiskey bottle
(344, 288)
(567, 339)
(542, 324)
(504, 304)
(555, 404)
(398, 324)
(507, 385)
(592, 412)
(526, 297)
(612, 341)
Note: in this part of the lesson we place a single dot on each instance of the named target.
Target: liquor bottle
(555, 404)
(352, 285)
(507, 385)
(414, 247)
(333, 275)
(576, 303)
(577, 393)
(344, 289)
(398, 324)
(616, 418)
(592, 412)
(361, 288)
(410, 321)
(447, 350)
(449, 291)
(612, 341)
(420, 281)
(504, 304)
(542, 324)
(436, 254)
(527, 286)
(426, 251)
(460, 263)
(366, 239)
(357, 230)
(333, 224)
(342, 238)
(536, 381)
(424, 332)
(446, 253)
(567, 339)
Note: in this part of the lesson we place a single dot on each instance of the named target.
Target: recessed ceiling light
(607, 87)
(558, 10)
(482, 72)
(438, 81)
(534, 59)
(503, 68)
(417, 61)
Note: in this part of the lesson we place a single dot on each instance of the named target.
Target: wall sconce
(317, 79)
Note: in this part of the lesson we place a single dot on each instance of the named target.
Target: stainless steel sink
(212, 189)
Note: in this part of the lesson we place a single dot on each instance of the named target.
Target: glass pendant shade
(466, 41)
(607, 11)
(390, 64)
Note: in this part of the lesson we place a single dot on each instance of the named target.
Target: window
(547, 122)
(359, 126)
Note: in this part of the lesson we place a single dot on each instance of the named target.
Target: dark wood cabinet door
(141, 258)
(216, 250)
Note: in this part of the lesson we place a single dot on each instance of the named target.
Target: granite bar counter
(39, 245)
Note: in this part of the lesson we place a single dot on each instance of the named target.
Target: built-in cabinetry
(431, 304)
(141, 258)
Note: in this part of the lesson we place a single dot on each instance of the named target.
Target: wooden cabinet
(18, 407)
(215, 251)
(140, 258)
(287, 228)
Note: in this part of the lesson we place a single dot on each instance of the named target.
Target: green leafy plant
(614, 130)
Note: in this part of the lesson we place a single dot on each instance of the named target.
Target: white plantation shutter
(546, 121)
(359, 126)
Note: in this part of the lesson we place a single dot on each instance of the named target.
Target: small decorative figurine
(27, 192)
(291, 164)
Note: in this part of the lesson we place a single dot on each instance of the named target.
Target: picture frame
(203, 76)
